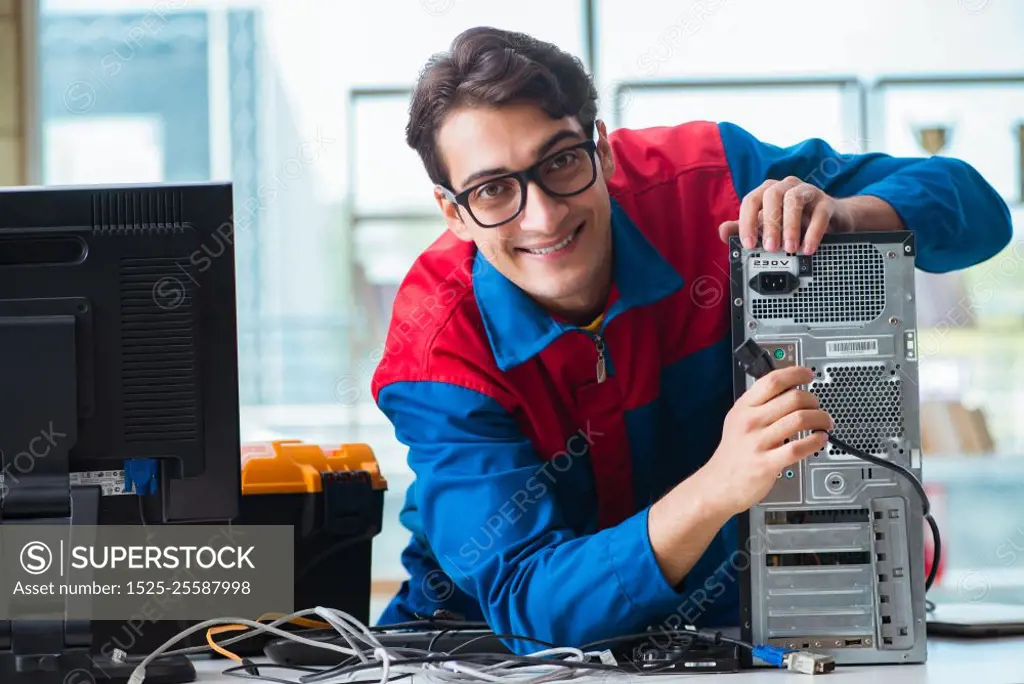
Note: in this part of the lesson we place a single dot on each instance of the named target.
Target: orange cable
(220, 629)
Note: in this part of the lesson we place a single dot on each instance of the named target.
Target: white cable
(351, 620)
(345, 632)
(345, 623)
(382, 655)
(503, 672)
(339, 619)
(458, 668)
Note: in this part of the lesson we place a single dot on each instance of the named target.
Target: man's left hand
(790, 214)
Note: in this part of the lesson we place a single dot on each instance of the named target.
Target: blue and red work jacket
(534, 478)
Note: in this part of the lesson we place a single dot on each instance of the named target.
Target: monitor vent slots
(847, 286)
(154, 210)
(158, 366)
(865, 400)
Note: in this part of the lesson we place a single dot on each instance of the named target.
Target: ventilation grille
(848, 285)
(866, 402)
(158, 365)
(140, 210)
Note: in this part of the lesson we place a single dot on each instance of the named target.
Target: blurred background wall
(302, 103)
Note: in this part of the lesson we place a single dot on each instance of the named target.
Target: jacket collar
(518, 328)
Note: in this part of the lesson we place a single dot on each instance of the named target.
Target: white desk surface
(992, 661)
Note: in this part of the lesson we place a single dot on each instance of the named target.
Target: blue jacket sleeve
(957, 218)
(490, 514)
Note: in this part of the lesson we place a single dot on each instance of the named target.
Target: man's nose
(542, 213)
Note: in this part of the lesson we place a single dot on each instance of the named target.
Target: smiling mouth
(554, 248)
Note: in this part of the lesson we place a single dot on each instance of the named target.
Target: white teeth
(554, 248)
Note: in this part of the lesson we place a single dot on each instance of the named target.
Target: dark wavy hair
(490, 67)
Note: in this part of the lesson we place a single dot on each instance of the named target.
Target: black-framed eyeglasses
(496, 201)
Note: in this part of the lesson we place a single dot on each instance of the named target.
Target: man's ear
(604, 151)
(452, 215)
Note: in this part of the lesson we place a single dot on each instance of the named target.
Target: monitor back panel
(836, 548)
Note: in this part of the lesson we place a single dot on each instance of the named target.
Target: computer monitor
(118, 353)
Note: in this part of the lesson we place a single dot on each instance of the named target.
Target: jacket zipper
(602, 369)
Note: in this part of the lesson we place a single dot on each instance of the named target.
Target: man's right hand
(752, 453)
(753, 450)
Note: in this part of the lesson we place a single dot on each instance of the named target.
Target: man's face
(558, 249)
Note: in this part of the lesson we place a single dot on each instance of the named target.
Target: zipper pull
(602, 371)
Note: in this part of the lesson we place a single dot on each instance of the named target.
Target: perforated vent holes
(848, 284)
(866, 402)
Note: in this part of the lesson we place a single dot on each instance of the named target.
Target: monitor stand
(38, 428)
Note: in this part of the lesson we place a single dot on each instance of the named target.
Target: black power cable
(504, 637)
(708, 636)
(431, 623)
(925, 503)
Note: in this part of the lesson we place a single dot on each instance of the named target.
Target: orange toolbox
(334, 497)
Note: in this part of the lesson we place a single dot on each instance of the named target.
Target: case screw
(752, 325)
(735, 254)
(839, 643)
(894, 321)
(834, 483)
(906, 248)
(817, 644)
(892, 255)
(738, 301)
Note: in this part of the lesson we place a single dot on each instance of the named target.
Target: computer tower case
(837, 547)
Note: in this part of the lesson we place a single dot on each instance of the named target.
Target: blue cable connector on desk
(793, 660)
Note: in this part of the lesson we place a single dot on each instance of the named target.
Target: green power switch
(780, 354)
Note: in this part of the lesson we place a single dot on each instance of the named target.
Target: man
(559, 365)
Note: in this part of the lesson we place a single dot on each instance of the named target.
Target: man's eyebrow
(496, 171)
(557, 138)
(541, 151)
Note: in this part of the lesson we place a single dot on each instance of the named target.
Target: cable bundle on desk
(365, 653)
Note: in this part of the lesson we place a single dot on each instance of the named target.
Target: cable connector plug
(809, 663)
(795, 661)
(707, 636)
(138, 675)
(773, 655)
(753, 359)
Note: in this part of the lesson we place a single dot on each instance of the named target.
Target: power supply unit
(836, 548)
